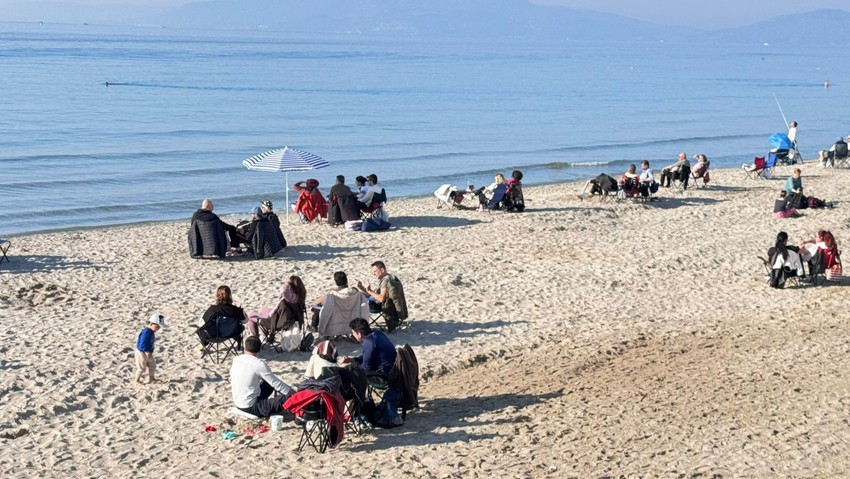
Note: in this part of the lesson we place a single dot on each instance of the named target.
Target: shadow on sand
(445, 420)
(43, 264)
(431, 222)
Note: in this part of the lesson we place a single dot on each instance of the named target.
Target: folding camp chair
(791, 277)
(378, 203)
(702, 175)
(769, 166)
(225, 337)
(820, 273)
(4, 248)
(755, 170)
(272, 331)
(681, 178)
(839, 155)
(495, 201)
(314, 426)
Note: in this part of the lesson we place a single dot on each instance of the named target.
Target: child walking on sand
(144, 348)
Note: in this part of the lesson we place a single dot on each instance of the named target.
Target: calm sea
(183, 109)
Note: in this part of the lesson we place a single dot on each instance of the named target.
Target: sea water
(182, 109)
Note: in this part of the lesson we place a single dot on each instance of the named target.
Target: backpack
(375, 224)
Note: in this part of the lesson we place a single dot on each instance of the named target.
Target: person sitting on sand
(252, 382)
(485, 193)
(205, 213)
(602, 185)
(145, 362)
(671, 172)
(794, 191)
(223, 308)
(780, 207)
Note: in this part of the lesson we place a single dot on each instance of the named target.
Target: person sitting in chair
(378, 354)
(339, 189)
(205, 213)
(267, 212)
(252, 383)
(375, 194)
(702, 165)
(342, 293)
(294, 293)
(629, 181)
(646, 179)
(671, 172)
(389, 295)
(223, 308)
(362, 188)
(324, 356)
(827, 157)
(310, 203)
(485, 193)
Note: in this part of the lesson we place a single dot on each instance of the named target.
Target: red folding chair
(756, 170)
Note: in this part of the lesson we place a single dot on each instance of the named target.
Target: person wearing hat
(145, 362)
(268, 213)
(246, 231)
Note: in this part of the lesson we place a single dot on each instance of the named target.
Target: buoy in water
(826, 84)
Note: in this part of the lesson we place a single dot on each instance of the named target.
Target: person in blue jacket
(378, 351)
(144, 348)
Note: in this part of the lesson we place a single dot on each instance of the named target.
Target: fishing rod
(780, 110)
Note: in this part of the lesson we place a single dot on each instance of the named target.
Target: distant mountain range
(434, 18)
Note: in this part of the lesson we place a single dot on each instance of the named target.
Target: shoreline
(232, 216)
(643, 327)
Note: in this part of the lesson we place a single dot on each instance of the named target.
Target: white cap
(158, 319)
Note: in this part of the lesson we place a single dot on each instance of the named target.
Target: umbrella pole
(286, 187)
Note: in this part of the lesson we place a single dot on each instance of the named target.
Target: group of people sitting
(261, 235)
(342, 203)
(504, 194)
(252, 381)
(791, 199)
(643, 184)
(820, 254)
(258, 391)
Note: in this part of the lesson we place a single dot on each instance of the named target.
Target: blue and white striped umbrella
(285, 159)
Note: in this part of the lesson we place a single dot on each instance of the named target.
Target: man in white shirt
(792, 133)
(252, 382)
(645, 179)
(373, 194)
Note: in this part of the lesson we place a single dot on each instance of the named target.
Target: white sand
(577, 339)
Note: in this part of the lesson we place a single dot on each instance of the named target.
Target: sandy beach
(577, 339)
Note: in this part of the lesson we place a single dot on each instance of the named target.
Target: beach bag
(815, 203)
(375, 224)
(834, 274)
(386, 414)
(353, 225)
(290, 339)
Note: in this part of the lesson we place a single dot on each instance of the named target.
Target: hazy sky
(704, 13)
